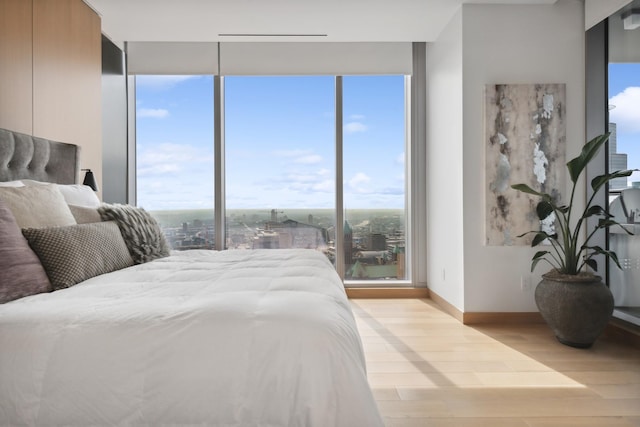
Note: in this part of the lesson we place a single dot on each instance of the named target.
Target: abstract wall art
(525, 137)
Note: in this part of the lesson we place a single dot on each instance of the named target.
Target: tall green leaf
(590, 149)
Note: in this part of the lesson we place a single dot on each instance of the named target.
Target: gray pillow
(140, 230)
(21, 273)
(79, 252)
(85, 215)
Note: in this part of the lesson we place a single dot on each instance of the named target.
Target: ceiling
(624, 45)
(279, 20)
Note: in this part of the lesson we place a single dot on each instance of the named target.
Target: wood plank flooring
(427, 369)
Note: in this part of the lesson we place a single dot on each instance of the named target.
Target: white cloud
(309, 160)
(305, 183)
(300, 178)
(169, 158)
(154, 113)
(400, 158)
(158, 82)
(353, 127)
(326, 186)
(356, 117)
(291, 153)
(174, 176)
(303, 157)
(626, 114)
(359, 182)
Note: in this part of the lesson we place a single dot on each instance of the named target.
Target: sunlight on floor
(435, 352)
(427, 369)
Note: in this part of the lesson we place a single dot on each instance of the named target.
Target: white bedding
(230, 338)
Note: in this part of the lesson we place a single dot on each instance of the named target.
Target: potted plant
(574, 301)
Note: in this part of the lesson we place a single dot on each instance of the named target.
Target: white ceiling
(340, 20)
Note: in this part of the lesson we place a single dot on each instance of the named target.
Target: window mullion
(339, 238)
(219, 194)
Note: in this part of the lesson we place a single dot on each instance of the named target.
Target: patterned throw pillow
(21, 273)
(75, 253)
(140, 230)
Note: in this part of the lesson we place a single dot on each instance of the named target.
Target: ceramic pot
(577, 308)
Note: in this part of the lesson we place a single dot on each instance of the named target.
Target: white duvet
(231, 338)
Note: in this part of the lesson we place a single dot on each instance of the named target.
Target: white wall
(512, 44)
(445, 231)
(489, 44)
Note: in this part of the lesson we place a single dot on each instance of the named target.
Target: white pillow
(37, 206)
(11, 184)
(79, 195)
(31, 182)
(74, 194)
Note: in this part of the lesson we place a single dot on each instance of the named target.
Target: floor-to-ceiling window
(624, 153)
(231, 159)
(280, 162)
(174, 158)
(374, 189)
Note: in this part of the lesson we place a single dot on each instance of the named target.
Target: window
(624, 193)
(174, 155)
(279, 166)
(374, 177)
(280, 162)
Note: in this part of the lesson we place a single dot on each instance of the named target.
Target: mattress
(230, 338)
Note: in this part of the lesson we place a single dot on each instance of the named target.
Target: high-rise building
(348, 245)
(617, 161)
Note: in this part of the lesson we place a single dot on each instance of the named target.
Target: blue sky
(624, 94)
(279, 142)
(279, 139)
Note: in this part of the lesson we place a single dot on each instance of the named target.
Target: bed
(228, 338)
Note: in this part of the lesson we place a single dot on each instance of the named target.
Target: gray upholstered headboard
(28, 157)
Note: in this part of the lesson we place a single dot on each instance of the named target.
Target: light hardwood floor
(427, 369)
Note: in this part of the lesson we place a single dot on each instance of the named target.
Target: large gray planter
(577, 308)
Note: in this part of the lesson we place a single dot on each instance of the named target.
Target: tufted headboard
(28, 157)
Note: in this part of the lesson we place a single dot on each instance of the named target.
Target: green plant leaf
(539, 238)
(592, 263)
(596, 210)
(539, 256)
(599, 181)
(544, 209)
(606, 222)
(524, 234)
(526, 189)
(614, 257)
(589, 150)
(598, 250)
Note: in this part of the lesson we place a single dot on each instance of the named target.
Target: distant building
(376, 242)
(617, 161)
(266, 239)
(291, 234)
(348, 244)
(371, 257)
(360, 270)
